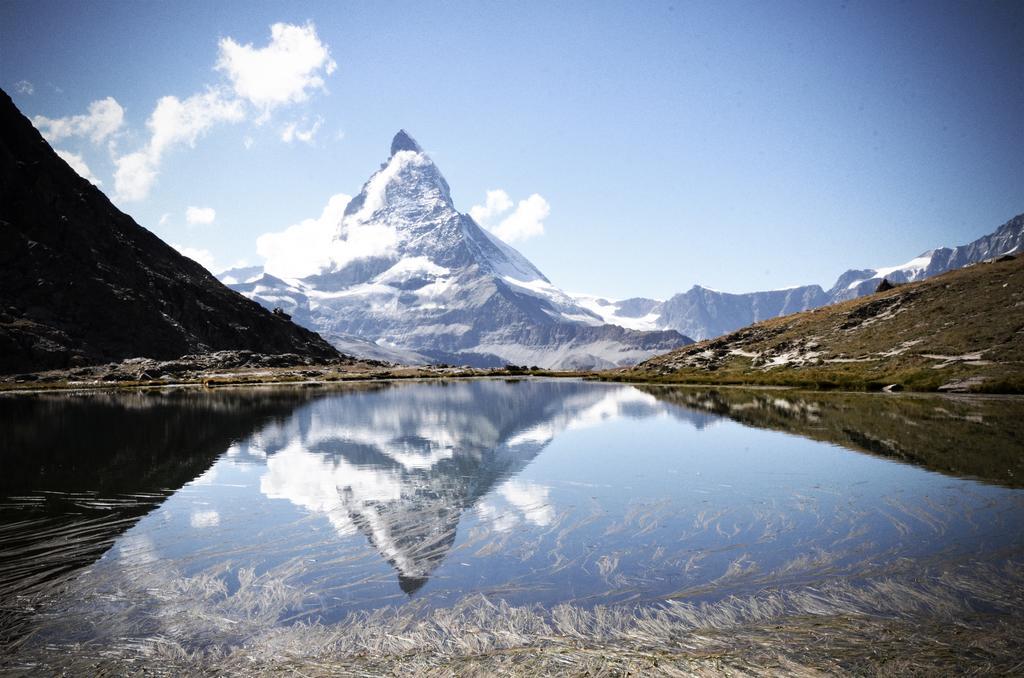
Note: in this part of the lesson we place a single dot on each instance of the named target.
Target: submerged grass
(965, 619)
(840, 605)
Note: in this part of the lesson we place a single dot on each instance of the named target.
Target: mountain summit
(404, 142)
(412, 274)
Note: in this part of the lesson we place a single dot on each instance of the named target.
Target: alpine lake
(530, 525)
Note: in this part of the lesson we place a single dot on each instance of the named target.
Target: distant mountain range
(81, 283)
(703, 313)
(444, 290)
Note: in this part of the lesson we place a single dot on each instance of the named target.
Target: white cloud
(248, 141)
(105, 117)
(24, 87)
(164, 218)
(294, 62)
(182, 122)
(291, 132)
(200, 215)
(173, 122)
(497, 202)
(78, 164)
(306, 247)
(291, 66)
(204, 257)
(134, 176)
(526, 221)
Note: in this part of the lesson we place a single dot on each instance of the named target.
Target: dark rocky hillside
(82, 283)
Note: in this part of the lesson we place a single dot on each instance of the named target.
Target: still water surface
(202, 518)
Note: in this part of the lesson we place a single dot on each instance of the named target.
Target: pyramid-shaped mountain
(82, 283)
(411, 273)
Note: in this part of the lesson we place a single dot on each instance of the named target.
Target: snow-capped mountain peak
(408, 271)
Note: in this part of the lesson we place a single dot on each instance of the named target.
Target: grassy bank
(961, 331)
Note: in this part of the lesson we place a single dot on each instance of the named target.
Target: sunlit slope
(962, 331)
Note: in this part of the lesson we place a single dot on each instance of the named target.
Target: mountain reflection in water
(214, 516)
(402, 465)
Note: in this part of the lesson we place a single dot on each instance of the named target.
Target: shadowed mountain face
(82, 283)
(439, 287)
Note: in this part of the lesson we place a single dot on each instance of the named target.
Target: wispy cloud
(24, 87)
(104, 118)
(173, 122)
(292, 65)
(496, 202)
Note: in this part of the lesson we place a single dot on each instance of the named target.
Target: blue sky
(741, 146)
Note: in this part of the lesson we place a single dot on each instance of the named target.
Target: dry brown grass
(965, 327)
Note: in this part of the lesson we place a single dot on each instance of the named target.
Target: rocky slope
(411, 274)
(962, 330)
(82, 283)
(702, 313)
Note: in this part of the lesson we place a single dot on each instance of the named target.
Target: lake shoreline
(107, 378)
